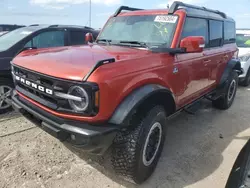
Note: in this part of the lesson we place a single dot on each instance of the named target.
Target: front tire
(227, 99)
(6, 87)
(137, 150)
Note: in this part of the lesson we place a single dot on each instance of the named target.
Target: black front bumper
(92, 138)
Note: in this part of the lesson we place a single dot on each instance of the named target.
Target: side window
(196, 27)
(215, 33)
(229, 32)
(77, 37)
(28, 44)
(47, 39)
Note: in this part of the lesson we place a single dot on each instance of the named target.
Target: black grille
(56, 84)
(38, 79)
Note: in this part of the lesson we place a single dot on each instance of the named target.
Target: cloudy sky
(77, 11)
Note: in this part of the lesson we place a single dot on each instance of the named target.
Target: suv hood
(73, 63)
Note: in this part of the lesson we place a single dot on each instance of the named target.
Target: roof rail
(177, 4)
(34, 25)
(53, 25)
(121, 8)
(86, 27)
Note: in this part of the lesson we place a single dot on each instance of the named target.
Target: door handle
(207, 61)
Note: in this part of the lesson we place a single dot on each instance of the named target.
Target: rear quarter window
(229, 32)
(215, 33)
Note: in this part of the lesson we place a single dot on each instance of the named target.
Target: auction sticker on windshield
(166, 19)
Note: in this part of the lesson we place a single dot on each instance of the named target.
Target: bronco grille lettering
(34, 85)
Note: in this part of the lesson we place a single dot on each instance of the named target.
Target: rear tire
(136, 151)
(6, 87)
(227, 99)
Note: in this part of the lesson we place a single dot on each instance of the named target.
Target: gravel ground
(199, 152)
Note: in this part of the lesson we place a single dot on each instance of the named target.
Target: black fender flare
(233, 64)
(133, 100)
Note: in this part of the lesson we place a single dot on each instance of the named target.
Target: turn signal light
(97, 100)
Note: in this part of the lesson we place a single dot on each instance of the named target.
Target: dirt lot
(199, 152)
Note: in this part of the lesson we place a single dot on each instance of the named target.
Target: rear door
(192, 69)
(216, 55)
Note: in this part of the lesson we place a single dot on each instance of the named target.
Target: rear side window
(215, 33)
(196, 27)
(77, 37)
(229, 32)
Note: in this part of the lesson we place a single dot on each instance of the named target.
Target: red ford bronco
(145, 67)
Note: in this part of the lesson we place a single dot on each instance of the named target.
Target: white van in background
(243, 43)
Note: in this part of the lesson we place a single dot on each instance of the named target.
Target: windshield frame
(116, 42)
(242, 34)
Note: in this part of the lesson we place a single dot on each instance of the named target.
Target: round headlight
(83, 102)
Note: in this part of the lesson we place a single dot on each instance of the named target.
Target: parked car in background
(240, 173)
(243, 43)
(34, 36)
(8, 27)
(3, 32)
(145, 67)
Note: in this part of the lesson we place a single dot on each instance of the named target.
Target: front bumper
(95, 139)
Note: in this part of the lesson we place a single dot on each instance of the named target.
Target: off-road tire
(128, 147)
(7, 82)
(227, 99)
(246, 80)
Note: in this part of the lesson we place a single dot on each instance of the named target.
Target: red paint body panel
(198, 73)
(73, 63)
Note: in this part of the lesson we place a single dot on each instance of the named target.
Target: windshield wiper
(142, 44)
(106, 41)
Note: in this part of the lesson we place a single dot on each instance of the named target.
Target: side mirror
(89, 37)
(193, 44)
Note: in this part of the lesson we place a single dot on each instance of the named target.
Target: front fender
(133, 100)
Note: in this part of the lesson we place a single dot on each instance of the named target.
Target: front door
(193, 75)
(193, 68)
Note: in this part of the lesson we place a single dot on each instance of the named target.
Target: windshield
(243, 40)
(11, 38)
(150, 29)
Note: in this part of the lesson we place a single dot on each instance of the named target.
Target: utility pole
(89, 13)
